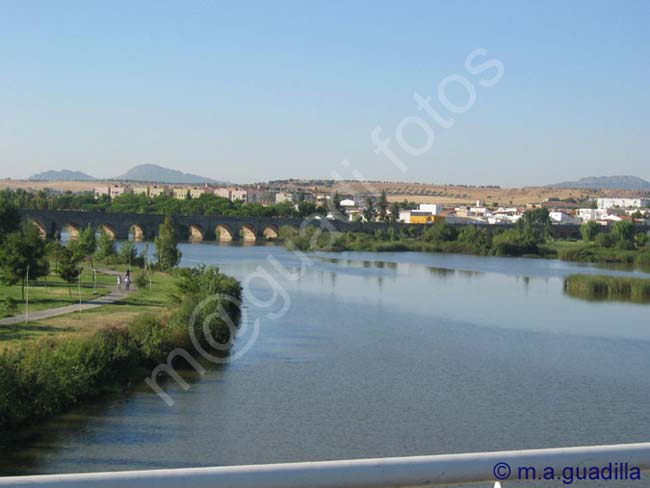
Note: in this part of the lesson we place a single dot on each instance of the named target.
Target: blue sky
(250, 91)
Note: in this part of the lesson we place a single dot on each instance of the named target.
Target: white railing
(361, 473)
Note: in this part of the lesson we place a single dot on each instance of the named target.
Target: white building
(563, 218)
(284, 197)
(239, 194)
(223, 192)
(102, 191)
(433, 208)
(623, 202)
(587, 214)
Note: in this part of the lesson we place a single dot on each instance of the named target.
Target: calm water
(378, 355)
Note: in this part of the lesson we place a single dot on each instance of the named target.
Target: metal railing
(360, 473)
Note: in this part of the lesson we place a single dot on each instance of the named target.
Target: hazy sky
(250, 91)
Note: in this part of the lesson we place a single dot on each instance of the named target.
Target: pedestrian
(119, 282)
(127, 282)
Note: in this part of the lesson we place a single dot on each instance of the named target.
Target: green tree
(623, 231)
(141, 282)
(86, 245)
(105, 247)
(336, 207)
(394, 212)
(69, 267)
(589, 230)
(382, 207)
(128, 254)
(54, 250)
(22, 253)
(166, 243)
(9, 217)
(369, 212)
(537, 224)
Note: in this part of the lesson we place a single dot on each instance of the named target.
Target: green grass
(603, 287)
(113, 315)
(54, 292)
(39, 378)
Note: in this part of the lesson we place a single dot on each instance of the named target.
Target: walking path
(116, 294)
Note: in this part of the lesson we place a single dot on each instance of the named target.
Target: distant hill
(153, 173)
(63, 175)
(621, 182)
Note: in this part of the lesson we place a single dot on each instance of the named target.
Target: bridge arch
(70, 231)
(137, 233)
(109, 229)
(271, 232)
(196, 233)
(42, 230)
(224, 233)
(247, 233)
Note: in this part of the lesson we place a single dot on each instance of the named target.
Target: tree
(589, 230)
(9, 217)
(166, 243)
(382, 207)
(141, 282)
(336, 207)
(54, 250)
(69, 269)
(23, 253)
(128, 254)
(623, 231)
(86, 244)
(105, 247)
(394, 212)
(369, 211)
(537, 224)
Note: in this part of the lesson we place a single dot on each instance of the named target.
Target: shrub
(514, 243)
(605, 239)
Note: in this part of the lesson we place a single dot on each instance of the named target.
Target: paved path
(115, 295)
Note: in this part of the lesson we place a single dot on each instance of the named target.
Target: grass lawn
(54, 292)
(116, 314)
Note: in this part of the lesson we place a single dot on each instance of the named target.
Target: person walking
(127, 282)
(119, 282)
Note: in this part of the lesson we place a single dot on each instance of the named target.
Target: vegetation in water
(603, 287)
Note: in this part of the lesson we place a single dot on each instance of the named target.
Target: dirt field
(396, 191)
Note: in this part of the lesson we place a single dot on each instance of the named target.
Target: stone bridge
(122, 226)
(52, 223)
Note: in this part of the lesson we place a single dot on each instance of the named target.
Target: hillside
(63, 175)
(619, 182)
(157, 174)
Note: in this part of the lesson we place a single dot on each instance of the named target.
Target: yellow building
(141, 190)
(425, 218)
(156, 191)
(180, 193)
(196, 192)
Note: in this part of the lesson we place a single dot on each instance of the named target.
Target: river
(369, 355)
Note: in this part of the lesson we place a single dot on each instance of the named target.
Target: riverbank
(41, 377)
(471, 240)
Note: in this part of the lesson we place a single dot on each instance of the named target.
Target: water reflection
(381, 354)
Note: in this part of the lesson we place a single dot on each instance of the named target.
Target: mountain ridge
(153, 173)
(614, 182)
(61, 175)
